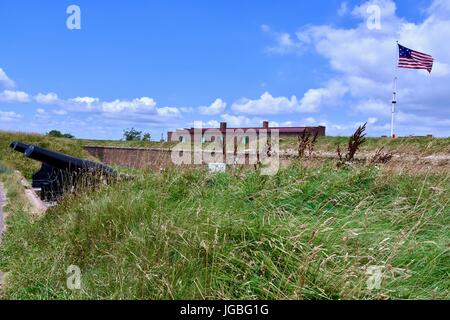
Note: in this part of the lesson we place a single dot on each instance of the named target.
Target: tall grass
(414, 146)
(306, 233)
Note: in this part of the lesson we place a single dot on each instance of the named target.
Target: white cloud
(372, 120)
(330, 94)
(8, 116)
(49, 98)
(439, 7)
(140, 104)
(186, 109)
(309, 121)
(59, 112)
(14, 96)
(285, 43)
(387, 8)
(138, 110)
(412, 119)
(217, 107)
(267, 105)
(312, 101)
(212, 124)
(265, 28)
(168, 112)
(283, 124)
(204, 124)
(86, 100)
(346, 129)
(441, 69)
(82, 104)
(374, 107)
(365, 61)
(238, 121)
(5, 80)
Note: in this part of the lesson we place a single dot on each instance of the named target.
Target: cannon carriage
(61, 173)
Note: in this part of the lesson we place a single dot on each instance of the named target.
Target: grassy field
(417, 146)
(422, 146)
(306, 233)
(128, 144)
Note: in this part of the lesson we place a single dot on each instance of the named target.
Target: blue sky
(159, 65)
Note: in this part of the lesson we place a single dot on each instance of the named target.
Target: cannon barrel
(61, 173)
(60, 160)
(19, 146)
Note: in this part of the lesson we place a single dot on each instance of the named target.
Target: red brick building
(283, 132)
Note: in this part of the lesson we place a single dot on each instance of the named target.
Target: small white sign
(217, 167)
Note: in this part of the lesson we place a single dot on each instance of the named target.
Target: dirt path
(2, 221)
(2, 203)
(38, 207)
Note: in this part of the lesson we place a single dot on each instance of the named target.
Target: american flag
(411, 59)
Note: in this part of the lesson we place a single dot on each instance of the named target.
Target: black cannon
(61, 173)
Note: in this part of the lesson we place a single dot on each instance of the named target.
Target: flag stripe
(411, 59)
(421, 59)
(415, 63)
(421, 54)
(415, 66)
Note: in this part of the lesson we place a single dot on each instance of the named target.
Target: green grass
(422, 146)
(128, 144)
(306, 233)
(26, 166)
(418, 145)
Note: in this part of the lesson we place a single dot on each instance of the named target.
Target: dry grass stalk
(354, 143)
(302, 144)
(312, 143)
(381, 157)
(306, 142)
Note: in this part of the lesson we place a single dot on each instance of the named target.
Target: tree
(132, 135)
(68, 136)
(55, 133)
(146, 137)
(59, 134)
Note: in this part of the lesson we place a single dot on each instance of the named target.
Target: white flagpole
(394, 97)
(394, 102)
